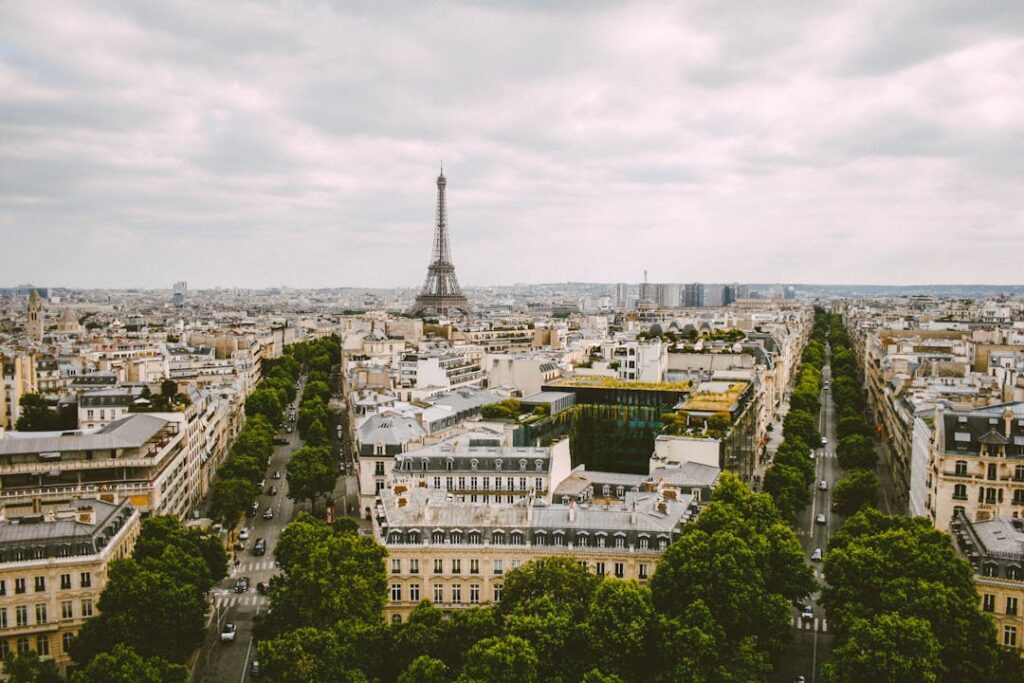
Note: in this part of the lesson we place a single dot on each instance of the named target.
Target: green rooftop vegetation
(715, 401)
(603, 382)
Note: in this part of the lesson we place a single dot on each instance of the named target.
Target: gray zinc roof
(129, 432)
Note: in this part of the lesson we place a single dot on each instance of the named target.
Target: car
(807, 614)
(268, 513)
(816, 555)
(272, 491)
(280, 441)
(820, 519)
(263, 484)
(228, 633)
(242, 584)
(254, 508)
(254, 669)
(823, 485)
(288, 429)
(243, 535)
(260, 548)
(276, 474)
(799, 679)
(824, 441)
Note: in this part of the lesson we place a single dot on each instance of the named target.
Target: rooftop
(603, 382)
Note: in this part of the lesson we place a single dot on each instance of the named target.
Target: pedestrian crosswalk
(817, 625)
(222, 601)
(252, 566)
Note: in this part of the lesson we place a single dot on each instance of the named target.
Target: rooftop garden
(682, 423)
(602, 382)
(715, 401)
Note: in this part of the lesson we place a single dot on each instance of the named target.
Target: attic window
(993, 420)
(962, 419)
(962, 436)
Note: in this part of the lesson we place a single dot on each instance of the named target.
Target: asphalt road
(812, 642)
(218, 662)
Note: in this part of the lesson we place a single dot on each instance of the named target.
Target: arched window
(437, 537)
(539, 538)
(396, 618)
(449, 464)
(582, 539)
(538, 465)
(991, 569)
(498, 538)
(414, 536)
(23, 645)
(961, 468)
(474, 464)
(1013, 572)
(423, 464)
(662, 543)
(474, 537)
(558, 539)
(456, 537)
(517, 537)
(394, 537)
(645, 543)
(522, 465)
(497, 464)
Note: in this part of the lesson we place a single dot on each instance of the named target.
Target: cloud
(252, 144)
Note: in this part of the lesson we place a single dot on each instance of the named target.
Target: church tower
(34, 328)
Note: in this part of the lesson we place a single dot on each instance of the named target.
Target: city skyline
(832, 144)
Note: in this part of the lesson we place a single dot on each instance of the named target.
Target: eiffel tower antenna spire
(441, 292)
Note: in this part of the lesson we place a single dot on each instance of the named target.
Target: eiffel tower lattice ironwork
(441, 293)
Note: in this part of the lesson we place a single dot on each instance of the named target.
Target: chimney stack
(632, 514)
(86, 515)
(572, 510)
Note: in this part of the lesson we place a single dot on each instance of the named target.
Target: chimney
(572, 510)
(529, 510)
(663, 507)
(86, 515)
(632, 514)
(1008, 423)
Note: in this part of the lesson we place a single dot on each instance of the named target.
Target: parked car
(824, 441)
(242, 584)
(816, 555)
(823, 485)
(288, 429)
(243, 535)
(260, 548)
(807, 614)
(279, 441)
(272, 491)
(820, 519)
(254, 669)
(254, 508)
(276, 474)
(268, 513)
(228, 633)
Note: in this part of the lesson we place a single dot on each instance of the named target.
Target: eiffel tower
(441, 293)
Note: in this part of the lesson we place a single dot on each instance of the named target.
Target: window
(497, 483)
(19, 585)
(456, 566)
(3, 617)
(456, 537)
(43, 645)
(437, 537)
(396, 566)
(474, 464)
(41, 613)
(538, 539)
(499, 567)
(85, 579)
(21, 615)
(599, 568)
(538, 484)
(437, 482)
(473, 481)
(1010, 636)
(558, 539)
(474, 594)
(643, 571)
(474, 566)
(620, 570)
(378, 468)
(86, 607)
(396, 618)
(474, 537)
(67, 609)
(961, 468)
(511, 481)
(5, 648)
(462, 483)
(414, 566)
(522, 465)
(23, 645)
(620, 541)
(497, 592)
(1018, 473)
(457, 593)
(65, 582)
(438, 566)
(3, 587)
(517, 538)
(990, 496)
(497, 467)
(662, 543)
(1011, 605)
(396, 592)
(498, 538)
(448, 464)
(992, 472)
(448, 483)
(644, 543)
(601, 540)
(522, 483)
(414, 592)
(1013, 572)
(960, 492)
(65, 642)
(990, 570)
(438, 594)
(988, 602)
(486, 483)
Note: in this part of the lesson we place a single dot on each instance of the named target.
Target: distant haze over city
(228, 145)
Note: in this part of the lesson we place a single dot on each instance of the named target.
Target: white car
(807, 614)
(820, 519)
(823, 485)
(824, 441)
(816, 555)
(228, 633)
(243, 535)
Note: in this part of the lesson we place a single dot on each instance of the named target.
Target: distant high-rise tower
(179, 293)
(34, 328)
(441, 293)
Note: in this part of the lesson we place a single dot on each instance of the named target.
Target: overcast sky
(258, 144)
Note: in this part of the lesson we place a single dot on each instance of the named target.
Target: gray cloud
(255, 144)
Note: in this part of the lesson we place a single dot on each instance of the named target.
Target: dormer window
(449, 464)
(538, 465)
(522, 465)
(474, 464)
(497, 464)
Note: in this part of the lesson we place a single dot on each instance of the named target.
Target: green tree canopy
(229, 498)
(888, 648)
(311, 473)
(857, 452)
(859, 488)
(123, 665)
(500, 660)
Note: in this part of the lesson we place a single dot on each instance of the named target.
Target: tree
(888, 648)
(166, 530)
(856, 452)
(316, 435)
(859, 488)
(425, 669)
(309, 655)
(41, 415)
(549, 628)
(500, 660)
(146, 610)
(316, 389)
(124, 665)
(29, 668)
(168, 389)
(310, 474)
(801, 424)
(788, 488)
(562, 579)
(264, 401)
(618, 628)
(229, 498)
(313, 410)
